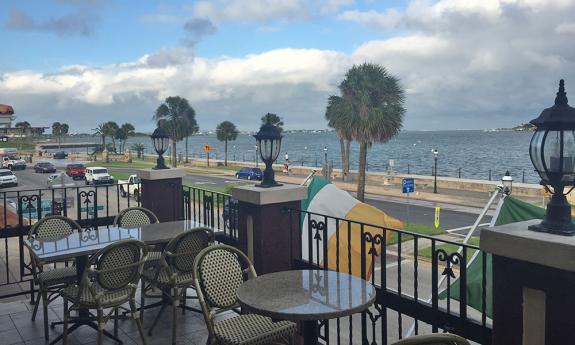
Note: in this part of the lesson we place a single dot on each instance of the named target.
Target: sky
(464, 64)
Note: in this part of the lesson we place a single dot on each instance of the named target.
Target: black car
(60, 155)
(44, 167)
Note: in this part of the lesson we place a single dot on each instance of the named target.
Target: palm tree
(110, 130)
(339, 117)
(64, 128)
(178, 118)
(375, 100)
(58, 130)
(226, 131)
(101, 131)
(139, 148)
(122, 134)
(274, 120)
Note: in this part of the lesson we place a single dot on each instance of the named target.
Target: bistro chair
(135, 217)
(173, 274)
(219, 271)
(110, 280)
(433, 339)
(50, 280)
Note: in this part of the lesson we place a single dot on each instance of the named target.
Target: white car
(13, 163)
(98, 175)
(7, 178)
(131, 186)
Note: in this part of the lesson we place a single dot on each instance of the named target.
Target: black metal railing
(411, 273)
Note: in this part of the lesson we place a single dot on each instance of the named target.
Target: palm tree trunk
(187, 160)
(361, 171)
(226, 153)
(59, 142)
(342, 149)
(103, 141)
(174, 160)
(347, 158)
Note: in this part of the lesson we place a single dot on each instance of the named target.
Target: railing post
(264, 232)
(162, 192)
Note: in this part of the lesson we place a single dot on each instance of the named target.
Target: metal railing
(411, 273)
(91, 207)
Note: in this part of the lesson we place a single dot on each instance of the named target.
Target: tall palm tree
(101, 131)
(110, 130)
(274, 120)
(178, 118)
(139, 148)
(375, 100)
(226, 131)
(339, 117)
(57, 131)
(122, 134)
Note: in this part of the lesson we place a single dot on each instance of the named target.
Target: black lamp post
(269, 143)
(435, 153)
(552, 152)
(507, 183)
(325, 156)
(161, 140)
(256, 155)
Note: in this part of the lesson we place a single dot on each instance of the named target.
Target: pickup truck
(131, 186)
(98, 175)
(13, 163)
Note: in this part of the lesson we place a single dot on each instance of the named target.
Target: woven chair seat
(252, 329)
(163, 280)
(57, 276)
(109, 298)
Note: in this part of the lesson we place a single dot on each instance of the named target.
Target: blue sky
(464, 64)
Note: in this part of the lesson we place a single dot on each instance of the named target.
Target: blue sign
(408, 185)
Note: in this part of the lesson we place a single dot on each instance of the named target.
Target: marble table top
(88, 242)
(306, 295)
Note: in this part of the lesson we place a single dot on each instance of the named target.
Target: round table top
(306, 295)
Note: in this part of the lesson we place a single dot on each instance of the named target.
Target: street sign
(207, 148)
(436, 223)
(408, 185)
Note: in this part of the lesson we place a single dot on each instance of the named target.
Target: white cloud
(379, 20)
(565, 28)
(259, 11)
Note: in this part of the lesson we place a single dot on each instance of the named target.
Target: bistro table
(307, 296)
(80, 245)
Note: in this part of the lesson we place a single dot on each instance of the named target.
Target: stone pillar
(264, 233)
(533, 285)
(162, 192)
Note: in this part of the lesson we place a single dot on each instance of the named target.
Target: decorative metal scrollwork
(317, 286)
(380, 311)
(450, 260)
(28, 204)
(318, 226)
(373, 241)
(88, 235)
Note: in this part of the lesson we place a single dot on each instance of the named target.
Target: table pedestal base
(310, 332)
(82, 320)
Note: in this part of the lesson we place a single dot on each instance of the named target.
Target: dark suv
(250, 173)
(76, 170)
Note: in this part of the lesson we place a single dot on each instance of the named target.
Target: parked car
(59, 180)
(44, 167)
(250, 173)
(13, 163)
(98, 175)
(7, 178)
(60, 155)
(76, 170)
(131, 186)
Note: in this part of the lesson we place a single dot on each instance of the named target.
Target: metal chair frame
(47, 291)
(433, 339)
(93, 285)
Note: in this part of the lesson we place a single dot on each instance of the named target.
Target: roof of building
(6, 109)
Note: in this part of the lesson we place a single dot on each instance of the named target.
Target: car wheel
(249, 177)
(237, 176)
(10, 167)
(123, 193)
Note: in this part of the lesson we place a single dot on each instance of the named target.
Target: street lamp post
(325, 155)
(161, 140)
(552, 152)
(507, 183)
(269, 141)
(435, 153)
(256, 154)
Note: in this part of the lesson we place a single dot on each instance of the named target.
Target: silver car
(7, 178)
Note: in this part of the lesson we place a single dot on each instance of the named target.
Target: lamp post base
(261, 185)
(557, 216)
(555, 229)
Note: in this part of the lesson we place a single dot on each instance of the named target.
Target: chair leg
(65, 326)
(175, 298)
(142, 301)
(101, 324)
(138, 322)
(45, 312)
(36, 304)
(116, 322)
(156, 319)
(184, 298)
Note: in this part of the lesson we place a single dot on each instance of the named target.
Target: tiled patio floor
(16, 326)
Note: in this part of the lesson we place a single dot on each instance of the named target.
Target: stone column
(162, 192)
(533, 285)
(264, 233)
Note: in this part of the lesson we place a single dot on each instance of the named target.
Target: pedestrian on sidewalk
(286, 164)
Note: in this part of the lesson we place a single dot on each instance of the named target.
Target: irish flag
(343, 237)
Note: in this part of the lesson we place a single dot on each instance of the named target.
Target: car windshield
(136, 180)
(13, 157)
(99, 171)
(44, 164)
(75, 166)
(6, 173)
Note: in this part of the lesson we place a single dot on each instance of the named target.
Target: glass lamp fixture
(552, 152)
(161, 141)
(269, 141)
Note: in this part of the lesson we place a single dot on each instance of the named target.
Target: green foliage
(122, 134)
(226, 131)
(139, 148)
(59, 130)
(23, 124)
(274, 120)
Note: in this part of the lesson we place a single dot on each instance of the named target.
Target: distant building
(6, 116)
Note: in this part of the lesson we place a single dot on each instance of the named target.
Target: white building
(6, 116)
